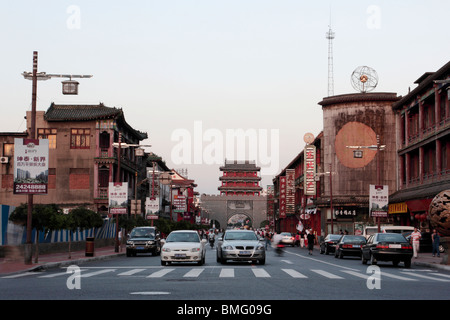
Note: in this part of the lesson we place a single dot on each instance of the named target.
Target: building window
(80, 139)
(49, 134)
(8, 149)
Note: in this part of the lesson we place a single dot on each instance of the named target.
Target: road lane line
(19, 275)
(95, 273)
(131, 272)
(384, 274)
(194, 273)
(260, 273)
(160, 273)
(226, 273)
(356, 274)
(426, 277)
(293, 273)
(327, 274)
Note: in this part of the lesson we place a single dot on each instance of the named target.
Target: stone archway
(239, 220)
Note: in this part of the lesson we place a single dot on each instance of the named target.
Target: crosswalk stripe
(356, 274)
(19, 275)
(160, 273)
(95, 273)
(426, 277)
(327, 274)
(193, 273)
(293, 273)
(131, 272)
(226, 273)
(384, 274)
(260, 273)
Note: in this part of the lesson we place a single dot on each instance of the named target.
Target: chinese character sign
(282, 197)
(118, 197)
(379, 201)
(30, 166)
(151, 205)
(310, 170)
(290, 191)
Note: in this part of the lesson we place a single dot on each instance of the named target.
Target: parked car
(287, 238)
(387, 247)
(183, 246)
(328, 245)
(240, 245)
(143, 240)
(425, 242)
(349, 245)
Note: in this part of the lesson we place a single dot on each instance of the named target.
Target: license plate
(395, 246)
(180, 255)
(244, 252)
(356, 246)
(140, 248)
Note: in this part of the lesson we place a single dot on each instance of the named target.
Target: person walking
(415, 238)
(436, 241)
(311, 238)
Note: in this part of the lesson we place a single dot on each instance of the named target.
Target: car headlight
(149, 242)
(130, 243)
(260, 247)
(227, 248)
(166, 249)
(195, 249)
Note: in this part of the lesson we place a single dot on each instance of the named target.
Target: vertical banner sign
(30, 166)
(290, 191)
(151, 208)
(310, 170)
(379, 201)
(118, 197)
(179, 202)
(282, 197)
(270, 194)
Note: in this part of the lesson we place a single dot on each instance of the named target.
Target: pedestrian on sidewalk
(311, 238)
(415, 238)
(436, 241)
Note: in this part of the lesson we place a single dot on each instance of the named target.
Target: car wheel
(128, 253)
(341, 255)
(395, 263)
(321, 250)
(327, 251)
(262, 261)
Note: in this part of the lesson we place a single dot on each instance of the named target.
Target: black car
(143, 240)
(349, 245)
(387, 247)
(328, 245)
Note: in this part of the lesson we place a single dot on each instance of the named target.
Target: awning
(418, 205)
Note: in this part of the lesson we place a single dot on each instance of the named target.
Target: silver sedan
(240, 245)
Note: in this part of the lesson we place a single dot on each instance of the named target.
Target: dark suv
(143, 240)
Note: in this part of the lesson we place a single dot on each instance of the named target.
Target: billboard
(310, 170)
(118, 197)
(30, 166)
(378, 201)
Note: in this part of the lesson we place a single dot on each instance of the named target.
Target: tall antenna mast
(330, 37)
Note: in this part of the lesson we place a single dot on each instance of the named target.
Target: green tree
(45, 217)
(81, 218)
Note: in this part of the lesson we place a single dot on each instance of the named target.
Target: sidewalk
(52, 260)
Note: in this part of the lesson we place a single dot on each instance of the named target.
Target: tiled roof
(80, 112)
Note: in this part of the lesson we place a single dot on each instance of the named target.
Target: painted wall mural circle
(355, 134)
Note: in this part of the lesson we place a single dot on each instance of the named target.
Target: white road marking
(260, 273)
(327, 274)
(160, 273)
(293, 273)
(193, 273)
(226, 273)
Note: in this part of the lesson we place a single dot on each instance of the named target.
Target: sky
(201, 75)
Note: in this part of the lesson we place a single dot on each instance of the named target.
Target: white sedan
(183, 246)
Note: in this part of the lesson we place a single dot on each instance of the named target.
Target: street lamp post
(377, 148)
(34, 76)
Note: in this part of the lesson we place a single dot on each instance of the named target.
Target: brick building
(423, 139)
(240, 178)
(82, 160)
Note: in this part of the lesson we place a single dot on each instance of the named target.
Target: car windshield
(143, 233)
(183, 237)
(390, 237)
(240, 236)
(353, 239)
(286, 234)
(334, 237)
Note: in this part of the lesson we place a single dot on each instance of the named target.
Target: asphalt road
(293, 276)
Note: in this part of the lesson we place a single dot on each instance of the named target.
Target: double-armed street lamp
(69, 87)
(358, 153)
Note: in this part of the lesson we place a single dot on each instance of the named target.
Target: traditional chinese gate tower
(240, 178)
